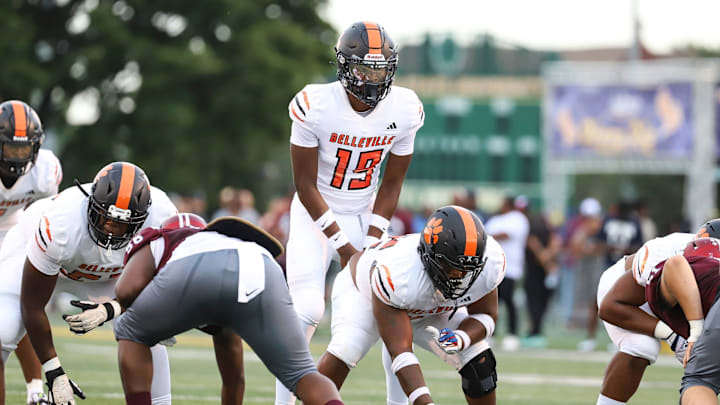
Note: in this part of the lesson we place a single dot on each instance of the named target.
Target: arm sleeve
(46, 247)
(384, 287)
(302, 136)
(405, 145)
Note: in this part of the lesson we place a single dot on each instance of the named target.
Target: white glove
(92, 316)
(451, 342)
(60, 388)
(678, 344)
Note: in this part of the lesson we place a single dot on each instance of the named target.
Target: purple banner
(622, 120)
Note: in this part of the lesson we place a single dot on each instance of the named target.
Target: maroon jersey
(707, 276)
(172, 238)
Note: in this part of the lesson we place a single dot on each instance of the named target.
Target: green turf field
(553, 376)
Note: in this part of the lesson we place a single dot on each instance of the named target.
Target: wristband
(487, 322)
(112, 308)
(464, 337)
(379, 222)
(338, 240)
(403, 360)
(51, 364)
(696, 328)
(325, 220)
(662, 330)
(370, 240)
(417, 393)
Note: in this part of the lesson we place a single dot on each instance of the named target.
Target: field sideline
(554, 376)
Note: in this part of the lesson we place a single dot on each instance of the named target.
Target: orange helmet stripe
(20, 119)
(470, 232)
(127, 179)
(374, 39)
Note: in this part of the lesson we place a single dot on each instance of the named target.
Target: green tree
(194, 92)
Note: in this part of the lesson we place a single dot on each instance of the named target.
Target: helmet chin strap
(77, 183)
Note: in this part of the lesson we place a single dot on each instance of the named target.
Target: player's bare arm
(678, 286)
(36, 291)
(472, 325)
(304, 164)
(137, 273)
(621, 307)
(396, 332)
(229, 358)
(389, 192)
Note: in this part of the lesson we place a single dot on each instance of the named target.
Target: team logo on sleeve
(432, 229)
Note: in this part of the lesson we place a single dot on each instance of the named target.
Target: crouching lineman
(437, 289)
(76, 244)
(236, 286)
(637, 350)
(681, 291)
(27, 173)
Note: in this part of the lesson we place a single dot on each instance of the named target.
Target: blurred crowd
(550, 267)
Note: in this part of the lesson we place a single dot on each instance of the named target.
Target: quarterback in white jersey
(77, 241)
(341, 133)
(636, 350)
(27, 173)
(437, 289)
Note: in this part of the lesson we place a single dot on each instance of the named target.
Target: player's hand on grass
(61, 388)
(92, 316)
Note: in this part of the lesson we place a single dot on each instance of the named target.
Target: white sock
(35, 386)
(603, 400)
(160, 388)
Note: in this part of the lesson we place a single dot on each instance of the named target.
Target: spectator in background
(276, 221)
(419, 219)
(541, 270)
(237, 203)
(510, 228)
(647, 225)
(619, 235)
(466, 198)
(194, 202)
(577, 244)
(401, 222)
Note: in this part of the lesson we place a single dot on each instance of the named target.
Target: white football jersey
(351, 145)
(41, 181)
(392, 271)
(61, 241)
(655, 251)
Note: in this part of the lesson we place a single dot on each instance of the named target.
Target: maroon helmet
(705, 247)
(184, 220)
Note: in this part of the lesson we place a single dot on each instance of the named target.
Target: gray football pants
(202, 289)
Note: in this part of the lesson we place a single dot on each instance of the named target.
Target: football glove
(678, 344)
(92, 316)
(61, 389)
(451, 342)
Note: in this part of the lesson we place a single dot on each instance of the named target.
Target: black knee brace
(479, 377)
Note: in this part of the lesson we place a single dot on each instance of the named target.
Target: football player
(341, 133)
(682, 292)
(437, 289)
(238, 288)
(75, 243)
(638, 350)
(27, 173)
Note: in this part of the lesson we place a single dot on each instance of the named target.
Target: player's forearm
(38, 330)
(413, 384)
(385, 203)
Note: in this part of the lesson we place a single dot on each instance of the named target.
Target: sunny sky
(541, 24)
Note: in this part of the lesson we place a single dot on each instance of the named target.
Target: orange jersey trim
(295, 114)
(20, 119)
(387, 273)
(470, 232)
(127, 179)
(305, 97)
(47, 228)
(38, 243)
